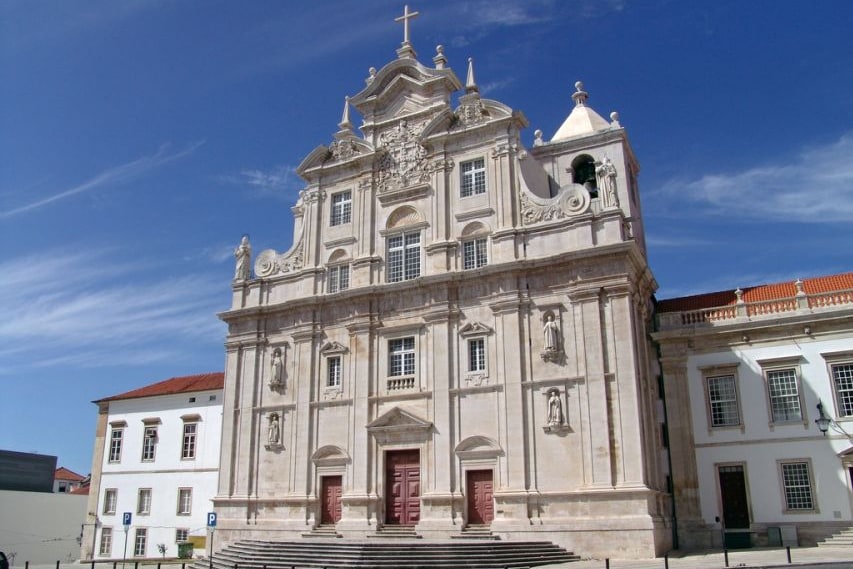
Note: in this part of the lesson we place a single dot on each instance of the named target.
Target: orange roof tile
(775, 291)
(185, 384)
(63, 473)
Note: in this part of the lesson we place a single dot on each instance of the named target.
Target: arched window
(584, 169)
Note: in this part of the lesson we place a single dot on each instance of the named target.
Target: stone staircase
(844, 537)
(391, 554)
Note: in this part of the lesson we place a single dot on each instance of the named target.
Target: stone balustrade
(747, 311)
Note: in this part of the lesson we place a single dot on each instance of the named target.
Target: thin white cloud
(815, 186)
(114, 176)
(654, 241)
(94, 313)
(279, 181)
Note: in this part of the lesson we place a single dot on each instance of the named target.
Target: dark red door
(403, 487)
(481, 509)
(331, 500)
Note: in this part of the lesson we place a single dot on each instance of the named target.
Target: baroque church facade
(457, 337)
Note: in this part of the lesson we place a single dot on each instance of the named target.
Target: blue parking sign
(211, 519)
(125, 519)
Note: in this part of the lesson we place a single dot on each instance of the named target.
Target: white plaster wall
(760, 444)
(41, 527)
(166, 474)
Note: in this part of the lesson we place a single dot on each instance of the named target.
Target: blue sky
(140, 139)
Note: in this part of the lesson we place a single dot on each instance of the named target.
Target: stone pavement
(801, 557)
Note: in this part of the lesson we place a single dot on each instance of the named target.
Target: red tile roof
(82, 490)
(185, 384)
(775, 291)
(63, 473)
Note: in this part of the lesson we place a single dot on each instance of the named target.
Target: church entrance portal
(478, 488)
(402, 487)
(331, 504)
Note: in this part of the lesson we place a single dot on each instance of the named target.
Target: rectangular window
(143, 502)
(477, 354)
(338, 278)
(116, 437)
(722, 399)
(341, 208)
(784, 395)
(796, 480)
(404, 256)
(110, 499)
(401, 352)
(185, 501)
(149, 443)
(106, 546)
(181, 535)
(139, 542)
(474, 253)
(842, 377)
(188, 446)
(473, 177)
(333, 379)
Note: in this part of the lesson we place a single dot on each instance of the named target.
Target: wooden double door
(402, 487)
(479, 488)
(331, 490)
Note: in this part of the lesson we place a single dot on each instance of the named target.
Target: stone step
(391, 554)
(841, 538)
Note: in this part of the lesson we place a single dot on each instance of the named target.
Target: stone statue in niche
(552, 335)
(243, 255)
(606, 173)
(555, 409)
(276, 368)
(274, 430)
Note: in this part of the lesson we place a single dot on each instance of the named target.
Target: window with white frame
(473, 174)
(106, 546)
(110, 500)
(335, 367)
(116, 438)
(338, 276)
(474, 253)
(477, 354)
(185, 501)
(189, 440)
(181, 535)
(149, 443)
(140, 540)
(404, 256)
(341, 208)
(842, 378)
(143, 502)
(401, 356)
(723, 400)
(783, 390)
(796, 482)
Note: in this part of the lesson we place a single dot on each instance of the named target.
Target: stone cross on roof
(405, 19)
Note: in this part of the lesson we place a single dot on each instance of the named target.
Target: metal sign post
(211, 524)
(125, 520)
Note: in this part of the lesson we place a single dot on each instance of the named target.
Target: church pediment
(398, 420)
(330, 455)
(332, 348)
(478, 447)
(475, 329)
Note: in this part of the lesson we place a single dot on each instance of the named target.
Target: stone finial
(537, 137)
(800, 290)
(614, 119)
(371, 75)
(440, 60)
(580, 96)
(470, 84)
(345, 123)
(739, 295)
(406, 50)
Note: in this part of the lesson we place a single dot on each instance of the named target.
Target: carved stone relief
(571, 201)
(402, 161)
(344, 149)
(270, 263)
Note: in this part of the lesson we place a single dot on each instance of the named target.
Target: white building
(156, 457)
(744, 373)
(456, 337)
